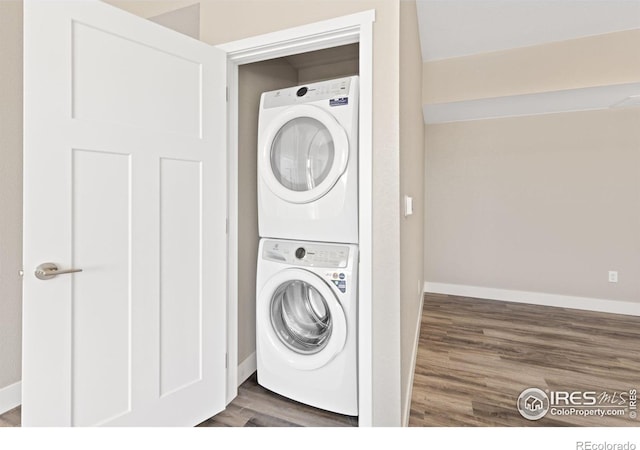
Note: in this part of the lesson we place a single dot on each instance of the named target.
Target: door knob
(46, 271)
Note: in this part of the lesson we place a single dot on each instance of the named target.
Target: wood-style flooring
(257, 407)
(10, 418)
(475, 357)
(253, 407)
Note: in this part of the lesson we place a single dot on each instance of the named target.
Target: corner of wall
(411, 185)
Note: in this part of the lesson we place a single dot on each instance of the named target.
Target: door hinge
(226, 225)
(226, 360)
(227, 93)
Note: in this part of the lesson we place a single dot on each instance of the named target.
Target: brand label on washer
(339, 101)
(341, 284)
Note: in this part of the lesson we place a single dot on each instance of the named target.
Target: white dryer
(308, 162)
(306, 316)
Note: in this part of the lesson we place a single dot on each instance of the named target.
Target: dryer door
(301, 318)
(304, 153)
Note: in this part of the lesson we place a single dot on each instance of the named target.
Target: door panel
(125, 178)
(101, 297)
(180, 274)
(140, 76)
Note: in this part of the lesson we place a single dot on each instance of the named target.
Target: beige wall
(185, 20)
(411, 184)
(228, 20)
(254, 79)
(10, 191)
(152, 8)
(543, 203)
(328, 71)
(591, 61)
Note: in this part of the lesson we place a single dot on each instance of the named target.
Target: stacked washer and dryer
(307, 276)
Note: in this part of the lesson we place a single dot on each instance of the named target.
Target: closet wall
(253, 79)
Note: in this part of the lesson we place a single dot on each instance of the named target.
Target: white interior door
(125, 178)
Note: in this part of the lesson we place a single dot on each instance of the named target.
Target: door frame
(334, 32)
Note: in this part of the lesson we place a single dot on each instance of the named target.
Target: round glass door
(302, 154)
(300, 317)
(300, 320)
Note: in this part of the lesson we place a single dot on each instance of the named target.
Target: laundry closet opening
(253, 80)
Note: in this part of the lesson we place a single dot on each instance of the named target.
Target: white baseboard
(409, 389)
(10, 397)
(246, 368)
(536, 298)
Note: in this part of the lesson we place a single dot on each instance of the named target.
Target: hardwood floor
(476, 356)
(257, 407)
(253, 407)
(11, 418)
(474, 359)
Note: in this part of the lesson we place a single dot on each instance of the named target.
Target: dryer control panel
(308, 254)
(333, 90)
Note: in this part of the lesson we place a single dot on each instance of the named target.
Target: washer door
(304, 154)
(302, 319)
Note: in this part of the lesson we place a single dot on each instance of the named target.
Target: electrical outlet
(613, 276)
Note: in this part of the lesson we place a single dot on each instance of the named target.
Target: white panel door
(125, 178)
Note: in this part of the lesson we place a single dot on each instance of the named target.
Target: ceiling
(453, 28)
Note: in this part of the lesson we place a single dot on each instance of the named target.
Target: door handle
(46, 271)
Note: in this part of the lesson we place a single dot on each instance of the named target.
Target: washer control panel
(308, 254)
(336, 91)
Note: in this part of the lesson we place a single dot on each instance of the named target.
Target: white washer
(308, 162)
(306, 316)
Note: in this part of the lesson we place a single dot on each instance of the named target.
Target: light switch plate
(408, 205)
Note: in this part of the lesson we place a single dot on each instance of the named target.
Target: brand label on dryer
(341, 285)
(340, 101)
